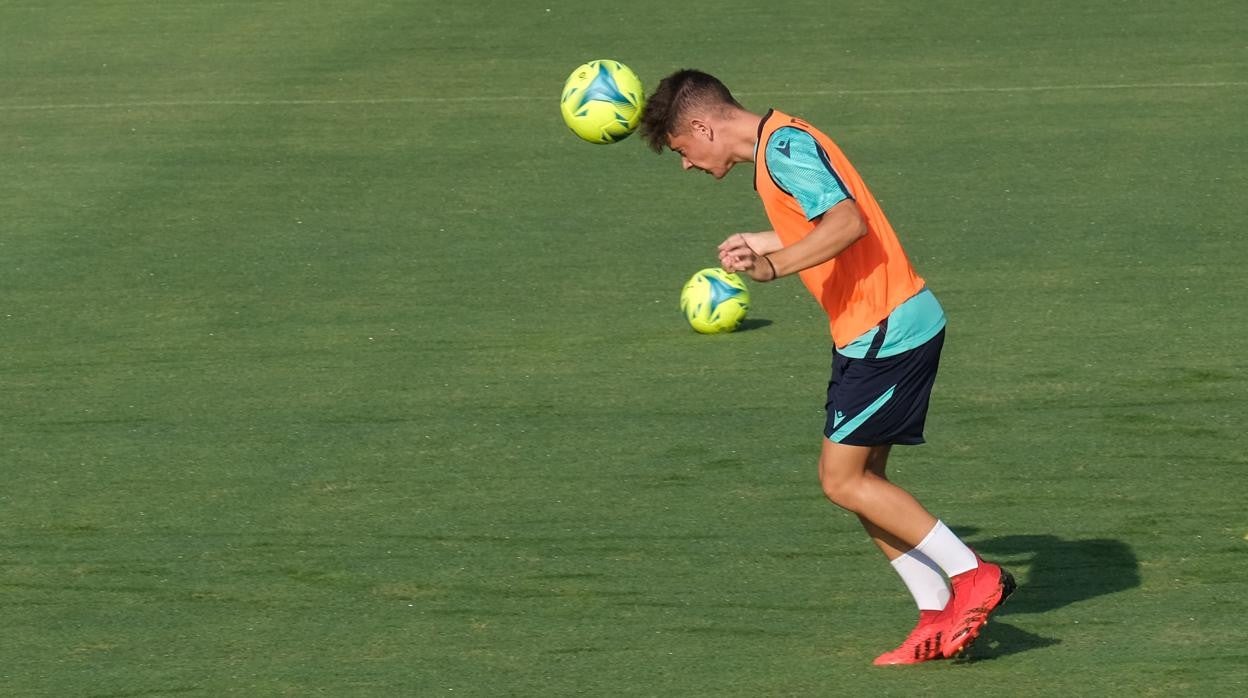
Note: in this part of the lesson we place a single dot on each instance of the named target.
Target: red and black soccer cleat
(976, 594)
(923, 643)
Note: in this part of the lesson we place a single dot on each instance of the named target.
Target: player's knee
(840, 489)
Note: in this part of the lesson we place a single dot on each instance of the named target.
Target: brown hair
(675, 95)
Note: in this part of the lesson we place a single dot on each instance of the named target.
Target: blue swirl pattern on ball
(603, 89)
(720, 292)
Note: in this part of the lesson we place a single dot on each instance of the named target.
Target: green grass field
(332, 363)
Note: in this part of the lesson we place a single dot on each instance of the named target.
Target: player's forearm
(839, 228)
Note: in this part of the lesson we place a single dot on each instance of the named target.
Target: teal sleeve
(799, 166)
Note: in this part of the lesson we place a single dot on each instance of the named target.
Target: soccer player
(887, 332)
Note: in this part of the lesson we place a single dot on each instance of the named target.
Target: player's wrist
(766, 269)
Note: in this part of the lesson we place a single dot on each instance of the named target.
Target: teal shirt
(799, 166)
(909, 325)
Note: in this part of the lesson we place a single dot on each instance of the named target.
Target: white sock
(923, 579)
(949, 553)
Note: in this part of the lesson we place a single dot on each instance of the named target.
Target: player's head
(684, 114)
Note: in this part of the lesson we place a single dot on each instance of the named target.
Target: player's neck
(741, 131)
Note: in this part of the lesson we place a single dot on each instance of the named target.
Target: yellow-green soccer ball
(714, 301)
(602, 101)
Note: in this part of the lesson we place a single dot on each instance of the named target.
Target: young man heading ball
(887, 332)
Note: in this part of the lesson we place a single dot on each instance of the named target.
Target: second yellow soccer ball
(714, 301)
(602, 101)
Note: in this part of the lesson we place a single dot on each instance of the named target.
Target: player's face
(698, 150)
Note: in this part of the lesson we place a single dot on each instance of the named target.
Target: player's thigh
(840, 465)
(877, 462)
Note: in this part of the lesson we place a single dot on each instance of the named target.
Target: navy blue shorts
(873, 402)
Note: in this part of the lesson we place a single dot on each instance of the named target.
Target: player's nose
(684, 163)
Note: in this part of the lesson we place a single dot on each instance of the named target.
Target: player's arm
(798, 164)
(841, 226)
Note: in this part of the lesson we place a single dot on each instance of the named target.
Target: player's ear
(702, 129)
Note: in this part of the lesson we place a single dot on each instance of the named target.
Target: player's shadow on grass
(1058, 572)
(752, 324)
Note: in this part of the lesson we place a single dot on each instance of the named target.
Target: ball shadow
(752, 324)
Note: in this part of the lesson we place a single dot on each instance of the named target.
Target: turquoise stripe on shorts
(848, 427)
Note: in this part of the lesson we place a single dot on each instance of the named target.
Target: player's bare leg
(900, 520)
(877, 462)
(926, 584)
(924, 580)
